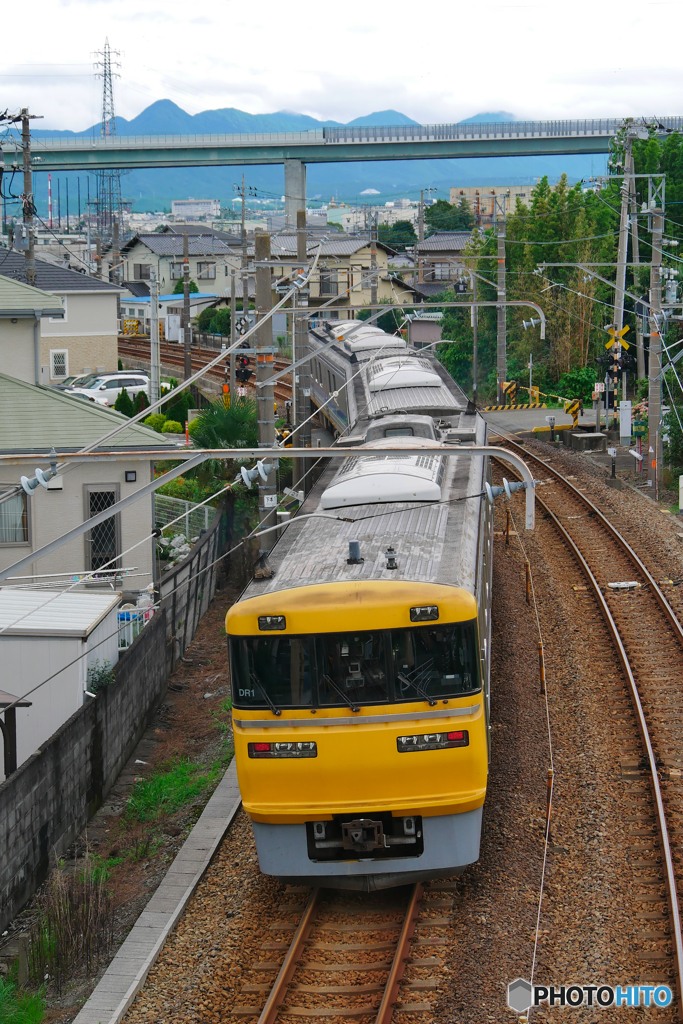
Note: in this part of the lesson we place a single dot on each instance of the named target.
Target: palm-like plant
(234, 427)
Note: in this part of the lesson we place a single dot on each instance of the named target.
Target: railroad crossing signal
(510, 389)
(242, 324)
(573, 408)
(617, 336)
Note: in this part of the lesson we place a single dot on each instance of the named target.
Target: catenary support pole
(116, 255)
(654, 404)
(501, 319)
(474, 314)
(264, 367)
(373, 262)
(187, 341)
(233, 333)
(154, 353)
(303, 398)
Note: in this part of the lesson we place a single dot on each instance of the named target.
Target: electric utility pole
(501, 318)
(654, 404)
(267, 492)
(233, 333)
(154, 354)
(27, 204)
(245, 261)
(303, 373)
(640, 348)
(474, 314)
(373, 261)
(622, 255)
(187, 341)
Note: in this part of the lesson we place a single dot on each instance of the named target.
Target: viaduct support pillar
(295, 190)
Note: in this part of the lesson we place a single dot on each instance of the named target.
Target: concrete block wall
(47, 802)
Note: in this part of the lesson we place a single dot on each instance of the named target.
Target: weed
(17, 1007)
(166, 791)
(99, 868)
(74, 925)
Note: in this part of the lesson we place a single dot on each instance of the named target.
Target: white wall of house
(56, 511)
(29, 659)
(17, 357)
(88, 334)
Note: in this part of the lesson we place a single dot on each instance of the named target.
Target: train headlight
(424, 613)
(433, 741)
(307, 748)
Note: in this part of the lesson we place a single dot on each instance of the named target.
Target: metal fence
(194, 520)
(131, 623)
(187, 589)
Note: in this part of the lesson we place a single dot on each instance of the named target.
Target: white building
(195, 208)
(48, 635)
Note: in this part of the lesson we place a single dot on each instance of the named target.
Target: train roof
(424, 505)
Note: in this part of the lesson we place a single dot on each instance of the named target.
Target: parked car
(105, 388)
(80, 381)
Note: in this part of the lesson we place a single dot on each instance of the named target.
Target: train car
(360, 668)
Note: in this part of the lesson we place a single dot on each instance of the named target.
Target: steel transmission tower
(109, 204)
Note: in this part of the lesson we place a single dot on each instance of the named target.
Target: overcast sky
(437, 63)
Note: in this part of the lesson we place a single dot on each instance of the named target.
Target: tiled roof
(172, 245)
(51, 277)
(445, 241)
(17, 299)
(285, 245)
(34, 418)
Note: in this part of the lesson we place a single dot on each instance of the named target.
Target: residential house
(22, 310)
(439, 260)
(344, 272)
(33, 419)
(84, 337)
(211, 260)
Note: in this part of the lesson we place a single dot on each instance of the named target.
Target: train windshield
(355, 669)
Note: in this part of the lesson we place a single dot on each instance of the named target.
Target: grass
(18, 1007)
(169, 789)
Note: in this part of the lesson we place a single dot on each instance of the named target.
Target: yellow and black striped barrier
(505, 408)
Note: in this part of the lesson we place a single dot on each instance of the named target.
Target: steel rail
(398, 966)
(621, 541)
(279, 990)
(672, 892)
(385, 1011)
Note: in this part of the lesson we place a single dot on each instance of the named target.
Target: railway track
(648, 639)
(348, 955)
(172, 355)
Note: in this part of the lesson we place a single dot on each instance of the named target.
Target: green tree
(443, 216)
(124, 403)
(390, 321)
(234, 427)
(180, 288)
(141, 402)
(214, 321)
(398, 235)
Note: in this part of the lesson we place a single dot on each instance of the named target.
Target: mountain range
(154, 189)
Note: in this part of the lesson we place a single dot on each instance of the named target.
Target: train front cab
(360, 730)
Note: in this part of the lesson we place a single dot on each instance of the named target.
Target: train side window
(352, 668)
(279, 667)
(440, 661)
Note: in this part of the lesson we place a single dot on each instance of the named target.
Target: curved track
(348, 956)
(648, 638)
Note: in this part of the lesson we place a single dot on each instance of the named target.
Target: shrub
(141, 402)
(155, 421)
(578, 383)
(180, 288)
(172, 427)
(120, 365)
(100, 675)
(124, 403)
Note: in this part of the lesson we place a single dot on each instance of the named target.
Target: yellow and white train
(360, 669)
